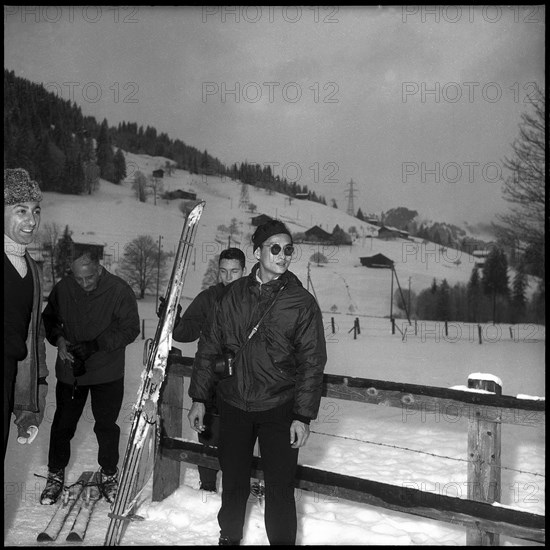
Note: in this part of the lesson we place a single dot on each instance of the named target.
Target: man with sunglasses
(272, 328)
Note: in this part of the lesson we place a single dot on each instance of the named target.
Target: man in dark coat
(270, 391)
(91, 317)
(231, 266)
(25, 369)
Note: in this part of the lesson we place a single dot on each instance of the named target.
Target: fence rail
(485, 412)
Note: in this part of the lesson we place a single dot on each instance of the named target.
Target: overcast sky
(418, 105)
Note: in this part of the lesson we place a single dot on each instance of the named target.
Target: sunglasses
(276, 248)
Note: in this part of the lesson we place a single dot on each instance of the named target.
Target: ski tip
(44, 537)
(73, 537)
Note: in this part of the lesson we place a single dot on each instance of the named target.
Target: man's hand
(83, 350)
(196, 417)
(63, 350)
(162, 308)
(299, 433)
(27, 422)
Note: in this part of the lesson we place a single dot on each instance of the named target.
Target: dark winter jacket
(283, 361)
(107, 314)
(195, 318)
(33, 366)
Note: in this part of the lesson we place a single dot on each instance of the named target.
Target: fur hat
(266, 230)
(18, 187)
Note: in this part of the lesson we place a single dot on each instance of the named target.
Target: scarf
(16, 255)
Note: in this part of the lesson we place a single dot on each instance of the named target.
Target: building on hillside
(317, 235)
(479, 257)
(158, 173)
(180, 194)
(377, 261)
(260, 219)
(302, 196)
(387, 232)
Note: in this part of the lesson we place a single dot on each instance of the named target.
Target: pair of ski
(86, 493)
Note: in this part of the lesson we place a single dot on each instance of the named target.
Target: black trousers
(210, 436)
(10, 372)
(106, 401)
(238, 433)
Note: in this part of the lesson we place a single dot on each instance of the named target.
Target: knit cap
(266, 230)
(18, 187)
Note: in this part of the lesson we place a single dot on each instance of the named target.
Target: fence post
(392, 325)
(484, 470)
(143, 329)
(358, 326)
(166, 473)
(333, 328)
(511, 333)
(415, 327)
(479, 334)
(446, 329)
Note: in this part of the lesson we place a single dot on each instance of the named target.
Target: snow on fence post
(484, 466)
(166, 473)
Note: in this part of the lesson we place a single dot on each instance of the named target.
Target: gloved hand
(83, 350)
(27, 422)
(162, 308)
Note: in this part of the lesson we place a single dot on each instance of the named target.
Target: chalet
(261, 219)
(387, 232)
(158, 173)
(377, 261)
(180, 194)
(302, 196)
(479, 257)
(316, 234)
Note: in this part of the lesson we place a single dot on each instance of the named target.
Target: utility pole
(409, 296)
(158, 270)
(350, 194)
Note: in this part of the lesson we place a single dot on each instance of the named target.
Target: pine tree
(119, 166)
(473, 294)
(63, 254)
(519, 286)
(443, 301)
(104, 153)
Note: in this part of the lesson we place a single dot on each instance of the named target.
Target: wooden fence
(485, 412)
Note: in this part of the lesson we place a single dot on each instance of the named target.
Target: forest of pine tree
(68, 152)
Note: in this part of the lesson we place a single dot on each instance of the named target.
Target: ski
(145, 416)
(88, 500)
(68, 499)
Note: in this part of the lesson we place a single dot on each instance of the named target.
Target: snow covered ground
(427, 452)
(384, 444)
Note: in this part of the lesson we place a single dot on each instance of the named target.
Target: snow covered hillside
(113, 216)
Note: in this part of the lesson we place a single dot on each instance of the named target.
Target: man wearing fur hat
(25, 369)
(266, 343)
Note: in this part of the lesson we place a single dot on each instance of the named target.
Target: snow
(485, 376)
(534, 397)
(410, 448)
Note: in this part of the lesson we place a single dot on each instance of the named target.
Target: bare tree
(139, 185)
(141, 264)
(523, 225)
(49, 235)
(155, 185)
